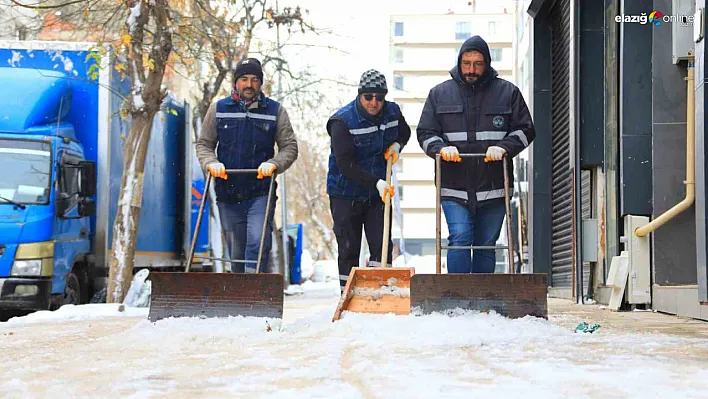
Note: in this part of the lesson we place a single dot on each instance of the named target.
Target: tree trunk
(145, 102)
(125, 227)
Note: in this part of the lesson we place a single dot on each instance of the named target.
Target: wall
(701, 176)
(673, 244)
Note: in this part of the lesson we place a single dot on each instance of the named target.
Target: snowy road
(82, 353)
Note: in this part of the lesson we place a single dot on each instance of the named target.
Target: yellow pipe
(690, 181)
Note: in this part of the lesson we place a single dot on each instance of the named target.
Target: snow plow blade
(377, 290)
(510, 295)
(207, 295)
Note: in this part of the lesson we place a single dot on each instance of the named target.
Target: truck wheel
(72, 291)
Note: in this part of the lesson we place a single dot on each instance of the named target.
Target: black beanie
(372, 81)
(249, 66)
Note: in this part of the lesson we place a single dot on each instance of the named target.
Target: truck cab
(46, 199)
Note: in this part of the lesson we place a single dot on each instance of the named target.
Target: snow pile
(92, 311)
(307, 265)
(376, 293)
(324, 270)
(139, 293)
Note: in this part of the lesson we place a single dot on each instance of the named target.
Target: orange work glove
(217, 169)
(393, 151)
(451, 154)
(494, 153)
(266, 169)
(385, 191)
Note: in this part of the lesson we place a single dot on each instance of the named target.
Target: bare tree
(213, 37)
(146, 58)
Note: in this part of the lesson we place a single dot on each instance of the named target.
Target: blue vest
(371, 141)
(246, 139)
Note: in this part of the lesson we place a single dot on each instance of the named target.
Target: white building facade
(424, 46)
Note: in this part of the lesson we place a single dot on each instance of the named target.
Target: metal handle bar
(475, 247)
(225, 260)
(241, 171)
(438, 214)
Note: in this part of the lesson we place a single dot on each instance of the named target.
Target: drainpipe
(690, 181)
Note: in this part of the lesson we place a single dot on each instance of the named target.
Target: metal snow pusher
(378, 289)
(510, 294)
(200, 294)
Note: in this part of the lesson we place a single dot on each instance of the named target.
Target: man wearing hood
(474, 112)
(364, 134)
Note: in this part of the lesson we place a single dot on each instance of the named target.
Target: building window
(400, 192)
(463, 30)
(398, 82)
(398, 29)
(492, 27)
(399, 166)
(496, 54)
(396, 55)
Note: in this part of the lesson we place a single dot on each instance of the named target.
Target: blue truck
(62, 138)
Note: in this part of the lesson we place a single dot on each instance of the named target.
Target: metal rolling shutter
(562, 178)
(586, 192)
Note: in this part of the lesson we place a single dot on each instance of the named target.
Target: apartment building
(423, 48)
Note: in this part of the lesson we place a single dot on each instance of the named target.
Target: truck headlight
(30, 267)
(34, 259)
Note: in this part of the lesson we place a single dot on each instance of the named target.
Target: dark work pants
(349, 217)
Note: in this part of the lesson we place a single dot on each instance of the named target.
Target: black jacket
(472, 117)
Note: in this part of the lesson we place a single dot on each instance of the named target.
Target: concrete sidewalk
(567, 313)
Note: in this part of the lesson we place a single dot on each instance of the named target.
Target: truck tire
(73, 290)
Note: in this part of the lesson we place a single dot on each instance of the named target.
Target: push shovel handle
(387, 215)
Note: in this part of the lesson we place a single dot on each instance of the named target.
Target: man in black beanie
(246, 126)
(364, 134)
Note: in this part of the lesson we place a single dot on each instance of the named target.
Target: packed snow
(94, 311)
(100, 351)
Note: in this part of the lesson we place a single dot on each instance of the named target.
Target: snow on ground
(94, 311)
(95, 351)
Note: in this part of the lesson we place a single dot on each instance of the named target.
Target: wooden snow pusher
(378, 290)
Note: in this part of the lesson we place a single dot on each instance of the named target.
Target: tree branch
(36, 6)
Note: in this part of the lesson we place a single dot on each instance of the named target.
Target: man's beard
(468, 77)
(248, 93)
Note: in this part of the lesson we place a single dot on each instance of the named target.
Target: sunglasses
(379, 97)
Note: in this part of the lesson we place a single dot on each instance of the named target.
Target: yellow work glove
(217, 169)
(494, 153)
(385, 191)
(266, 169)
(450, 154)
(393, 151)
